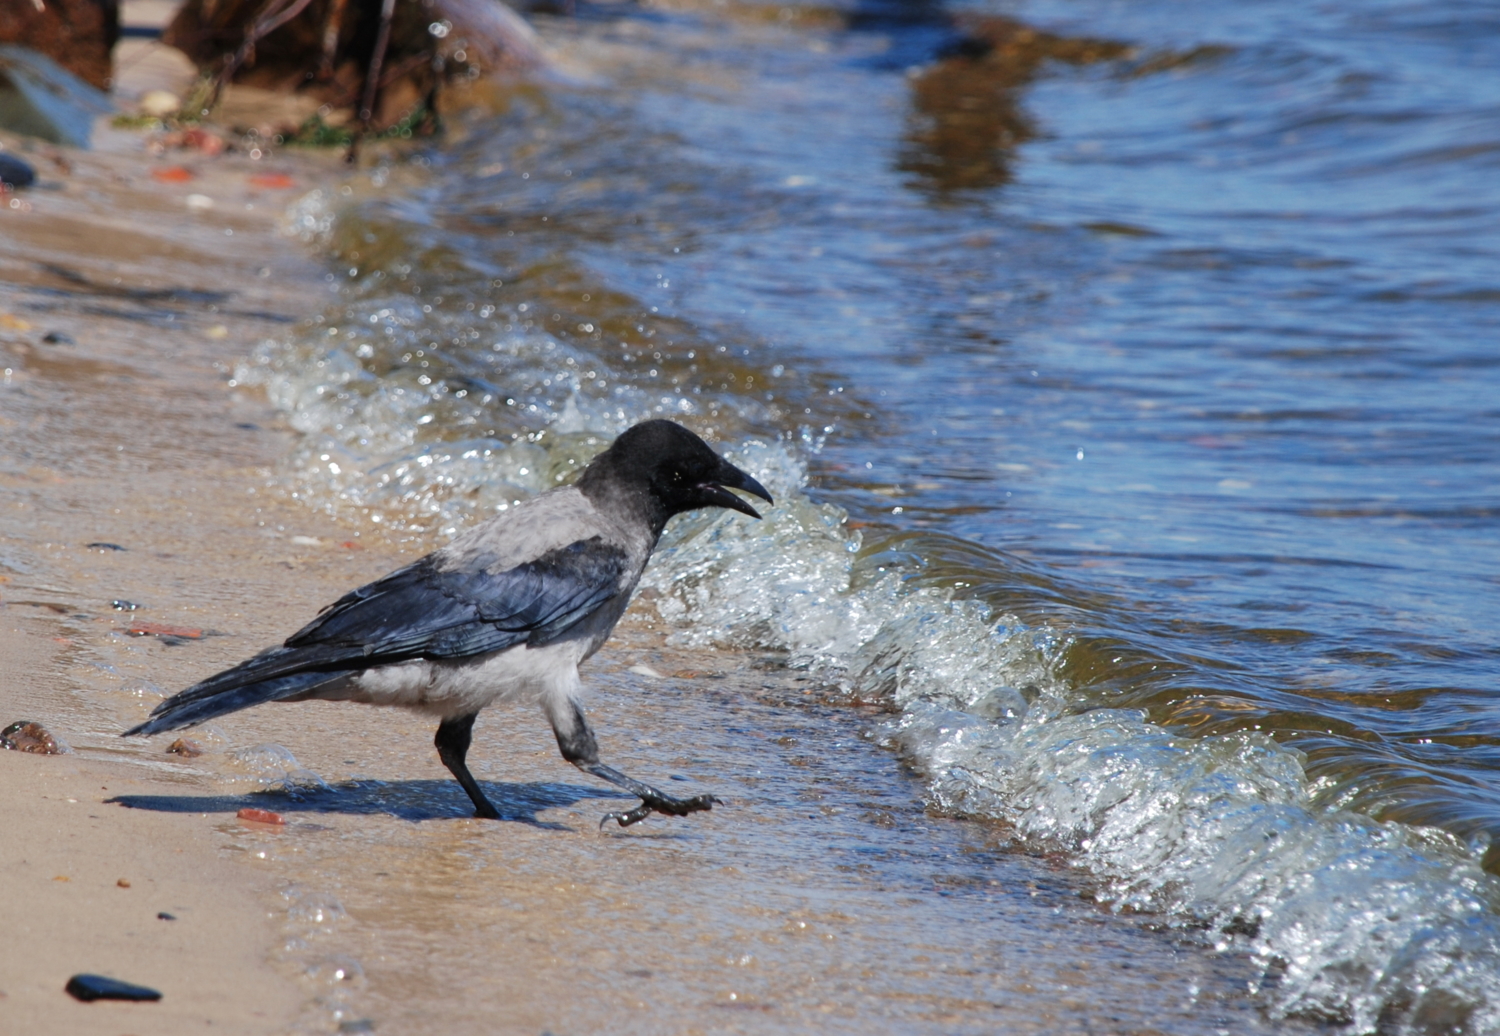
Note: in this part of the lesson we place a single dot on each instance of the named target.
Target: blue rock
(97, 987)
(15, 173)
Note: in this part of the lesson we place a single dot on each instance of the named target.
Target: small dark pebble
(100, 545)
(26, 736)
(164, 916)
(97, 987)
(14, 172)
(60, 609)
(678, 777)
(357, 1025)
(58, 338)
(247, 426)
(124, 606)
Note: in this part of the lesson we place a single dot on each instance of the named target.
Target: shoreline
(764, 916)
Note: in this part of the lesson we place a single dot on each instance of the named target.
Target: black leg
(452, 741)
(578, 747)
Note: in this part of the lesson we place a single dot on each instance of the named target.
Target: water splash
(1380, 926)
(268, 768)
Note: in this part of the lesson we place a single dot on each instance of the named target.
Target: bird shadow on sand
(407, 800)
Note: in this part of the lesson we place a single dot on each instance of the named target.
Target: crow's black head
(670, 470)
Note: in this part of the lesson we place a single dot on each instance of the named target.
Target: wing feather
(420, 611)
(424, 611)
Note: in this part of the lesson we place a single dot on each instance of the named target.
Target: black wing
(419, 611)
(423, 612)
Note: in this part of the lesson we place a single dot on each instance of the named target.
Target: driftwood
(382, 59)
(77, 34)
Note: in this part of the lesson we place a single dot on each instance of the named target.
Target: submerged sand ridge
(819, 897)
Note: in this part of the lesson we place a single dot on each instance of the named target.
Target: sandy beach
(119, 307)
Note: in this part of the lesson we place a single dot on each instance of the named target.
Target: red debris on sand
(260, 816)
(351, 545)
(194, 139)
(208, 143)
(172, 174)
(272, 181)
(157, 629)
(185, 748)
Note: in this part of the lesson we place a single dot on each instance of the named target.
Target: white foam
(1377, 925)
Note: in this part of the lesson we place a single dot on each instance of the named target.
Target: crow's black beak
(716, 495)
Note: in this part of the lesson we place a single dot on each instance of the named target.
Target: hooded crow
(506, 611)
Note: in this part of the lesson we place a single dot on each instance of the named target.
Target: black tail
(271, 676)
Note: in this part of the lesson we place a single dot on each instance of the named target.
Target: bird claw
(627, 818)
(660, 804)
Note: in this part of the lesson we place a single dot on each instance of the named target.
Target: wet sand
(819, 898)
(119, 429)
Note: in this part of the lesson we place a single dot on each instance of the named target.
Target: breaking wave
(1379, 925)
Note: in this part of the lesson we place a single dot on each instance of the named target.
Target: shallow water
(1128, 388)
(820, 897)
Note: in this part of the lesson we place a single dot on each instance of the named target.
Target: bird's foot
(659, 803)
